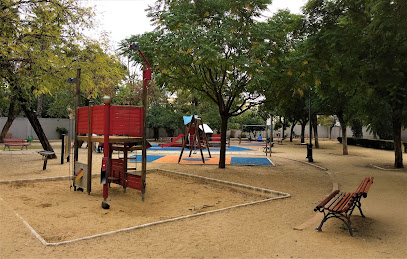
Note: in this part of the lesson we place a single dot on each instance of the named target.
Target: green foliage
(289, 68)
(208, 52)
(4, 101)
(356, 127)
(326, 120)
(370, 143)
(248, 118)
(41, 46)
(61, 130)
(334, 47)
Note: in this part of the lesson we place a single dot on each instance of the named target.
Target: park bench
(14, 142)
(45, 155)
(341, 204)
(268, 146)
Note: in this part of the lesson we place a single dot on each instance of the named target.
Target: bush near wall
(372, 143)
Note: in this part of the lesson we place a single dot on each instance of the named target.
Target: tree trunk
(330, 131)
(39, 105)
(156, 133)
(315, 126)
(398, 152)
(13, 111)
(35, 123)
(223, 129)
(292, 131)
(303, 125)
(344, 137)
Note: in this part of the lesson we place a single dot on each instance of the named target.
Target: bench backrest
(364, 187)
(13, 140)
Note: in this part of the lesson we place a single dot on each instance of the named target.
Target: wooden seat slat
(350, 203)
(327, 199)
(334, 201)
(342, 202)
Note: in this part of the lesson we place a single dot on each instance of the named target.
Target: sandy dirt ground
(262, 230)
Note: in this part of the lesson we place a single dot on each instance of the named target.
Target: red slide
(174, 143)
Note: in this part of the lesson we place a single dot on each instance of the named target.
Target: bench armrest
(368, 187)
(327, 199)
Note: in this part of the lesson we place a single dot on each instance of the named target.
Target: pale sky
(123, 18)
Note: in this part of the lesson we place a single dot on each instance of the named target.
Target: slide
(174, 143)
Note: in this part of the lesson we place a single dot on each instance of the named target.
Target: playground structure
(174, 142)
(268, 142)
(120, 128)
(192, 125)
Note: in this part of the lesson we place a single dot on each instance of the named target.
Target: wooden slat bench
(45, 155)
(15, 142)
(341, 204)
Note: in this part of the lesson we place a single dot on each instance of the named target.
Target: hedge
(372, 143)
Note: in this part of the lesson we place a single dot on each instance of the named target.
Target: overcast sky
(123, 18)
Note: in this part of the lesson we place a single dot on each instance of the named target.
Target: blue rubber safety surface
(261, 161)
(150, 158)
(194, 159)
(251, 161)
(178, 149)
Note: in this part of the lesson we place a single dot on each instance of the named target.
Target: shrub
(370, 143)
(61, 130)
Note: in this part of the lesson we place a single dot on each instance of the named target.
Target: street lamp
(309, 146)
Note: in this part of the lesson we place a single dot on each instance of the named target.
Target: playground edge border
(45, 243)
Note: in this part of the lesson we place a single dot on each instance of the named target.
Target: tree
(42, 45)
(361, 48)
(385, 61)
(208, 46)
(334, 44)
(29, 53)
(291, 74)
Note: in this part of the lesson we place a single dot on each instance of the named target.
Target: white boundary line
(263, 190)
(384, 169)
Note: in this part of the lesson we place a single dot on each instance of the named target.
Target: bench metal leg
(359, 205)
(45, 163)
(345, 219)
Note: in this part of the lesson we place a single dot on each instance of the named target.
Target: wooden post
(106, 145)
(90, 149)
(77, 103)
(144, 144)
(63, 149)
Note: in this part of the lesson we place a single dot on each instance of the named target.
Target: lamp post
(309, 146)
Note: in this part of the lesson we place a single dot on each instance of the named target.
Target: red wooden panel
(98, 119)
(124, 120)
(117, 170)
(133, 181)
(82, 120)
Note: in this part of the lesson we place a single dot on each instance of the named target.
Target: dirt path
(262, 230)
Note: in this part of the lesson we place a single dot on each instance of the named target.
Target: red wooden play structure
(120, 128)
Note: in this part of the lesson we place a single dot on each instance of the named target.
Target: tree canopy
(209, 47)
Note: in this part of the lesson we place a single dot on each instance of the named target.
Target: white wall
(21, 127)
